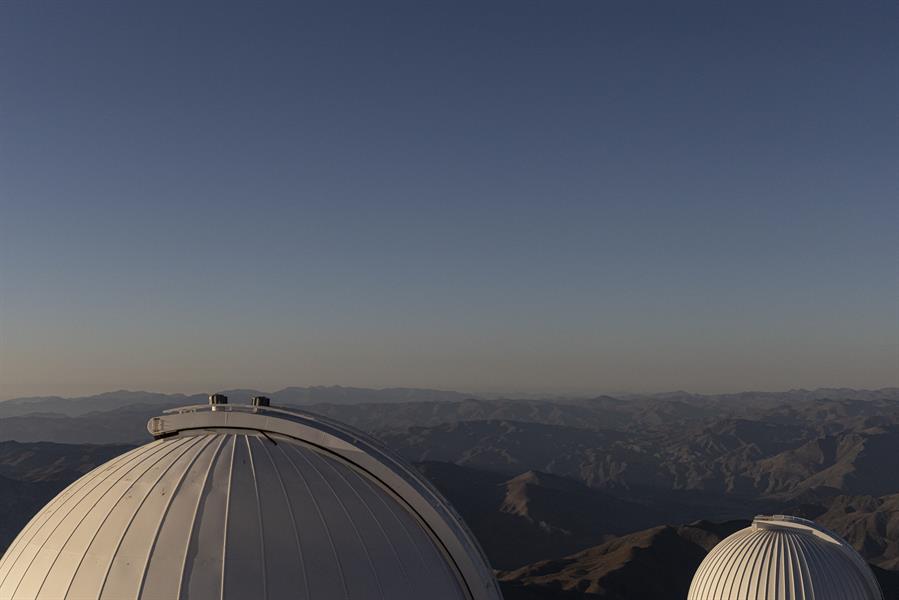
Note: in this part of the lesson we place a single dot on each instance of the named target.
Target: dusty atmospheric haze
(570, 293)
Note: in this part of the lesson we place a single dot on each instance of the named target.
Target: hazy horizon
(491, 393)
(567, 196)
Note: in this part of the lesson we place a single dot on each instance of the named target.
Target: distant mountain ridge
(343, 395)
(336, 394)
(754, 447)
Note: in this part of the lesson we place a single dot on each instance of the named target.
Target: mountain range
(570, 498)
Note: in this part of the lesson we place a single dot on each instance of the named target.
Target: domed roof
(248, 502)
(784, 558)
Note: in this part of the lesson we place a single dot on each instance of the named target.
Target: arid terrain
(570, 498)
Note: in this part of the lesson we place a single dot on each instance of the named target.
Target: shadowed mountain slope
(48, 461)
(733, 457)
(19, 500)
(534, 515)
(620, 568)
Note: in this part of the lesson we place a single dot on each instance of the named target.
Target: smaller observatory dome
(784, 558)
(244, 503)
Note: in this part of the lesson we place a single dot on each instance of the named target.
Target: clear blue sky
(568, 196)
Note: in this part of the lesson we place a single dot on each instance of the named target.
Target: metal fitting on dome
(218, 399)
(261, 401)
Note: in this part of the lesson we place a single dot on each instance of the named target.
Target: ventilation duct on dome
(218, 399)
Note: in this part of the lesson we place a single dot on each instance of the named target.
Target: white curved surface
(229, 514)
(783, 558)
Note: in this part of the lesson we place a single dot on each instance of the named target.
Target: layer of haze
(568, 196)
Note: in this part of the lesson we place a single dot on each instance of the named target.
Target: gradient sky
(487, 196)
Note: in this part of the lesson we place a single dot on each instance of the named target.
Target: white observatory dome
(244, 503)
(784, 558)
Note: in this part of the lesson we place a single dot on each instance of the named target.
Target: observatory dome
(247, 502)
(784, 558)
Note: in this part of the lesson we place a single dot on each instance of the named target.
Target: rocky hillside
(571, 499)
(656, 563)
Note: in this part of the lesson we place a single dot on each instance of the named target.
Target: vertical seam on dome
(809, 589)
(715, 563)
(712, 565)
(139, 457)
(64, 496)
(168, 505)
(790, 587)
(53, 505)
(378, 523)
(227, 515)
(725, 568)
(834, 582)
(795, 588)
(57, 503)
(780, 575)
(93, 538)
(321, 518)
(747, 549)
(259, 515)
(293, 521)
(859, 584)
(752, 550)
(193, 521)
(399, 521)
(812, 561)
(838, 583)
(763, 570)
(349, 516)
(818, 560)
(134, 515)
(775, 566)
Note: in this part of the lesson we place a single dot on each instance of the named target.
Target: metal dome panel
(236, 513)
(783, 558)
